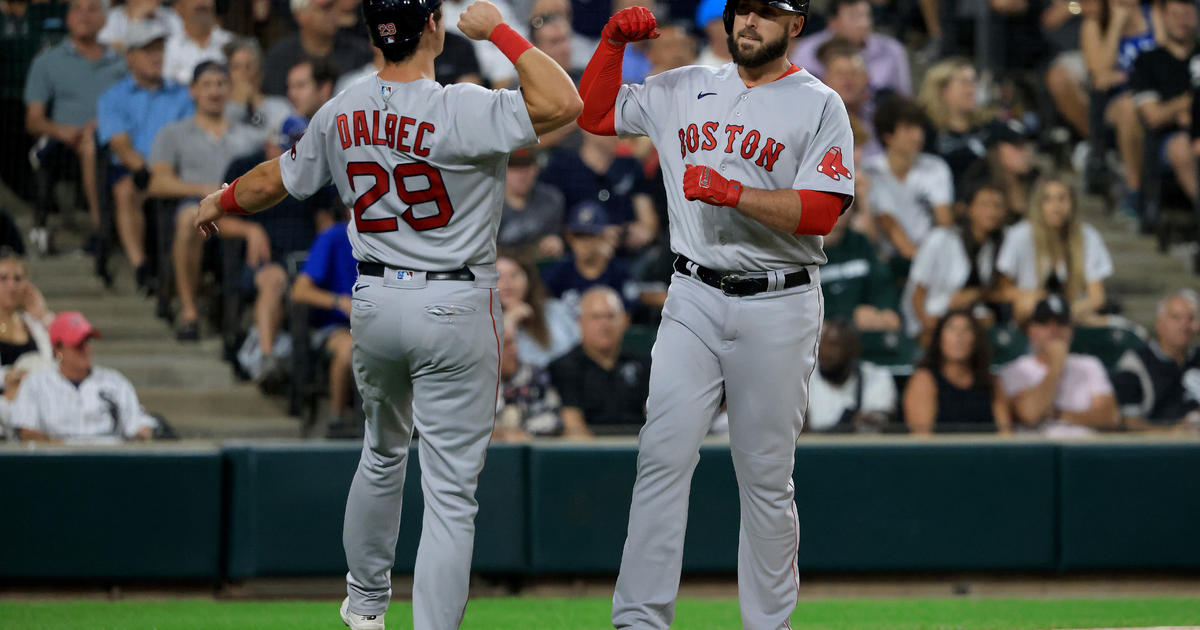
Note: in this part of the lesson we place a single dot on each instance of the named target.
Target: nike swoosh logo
(360, 287)
(703, 94)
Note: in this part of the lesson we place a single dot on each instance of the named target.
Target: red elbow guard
(819, 211)
(599, 87)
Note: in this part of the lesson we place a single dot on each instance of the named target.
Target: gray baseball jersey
(757, 352)
(791, 133)
(422, 166)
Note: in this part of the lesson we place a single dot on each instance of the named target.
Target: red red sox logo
(832, 166)
(387, 30)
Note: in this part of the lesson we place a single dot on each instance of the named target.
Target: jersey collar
(790, 71)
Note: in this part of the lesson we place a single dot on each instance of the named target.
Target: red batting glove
(701, 183)
(630, 25)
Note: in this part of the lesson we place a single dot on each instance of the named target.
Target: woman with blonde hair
(948, 97)
(1053, 251)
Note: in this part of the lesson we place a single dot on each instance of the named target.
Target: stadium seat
(1008, 343)
(639, 340)
(889, 349)
(1105, 343)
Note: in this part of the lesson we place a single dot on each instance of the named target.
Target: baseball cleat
(360, 622)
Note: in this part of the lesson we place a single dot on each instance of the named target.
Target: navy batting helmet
(795, 6)
(397, 24)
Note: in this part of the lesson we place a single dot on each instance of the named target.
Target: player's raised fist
(701, 183)
(479, 20)
(631, 25)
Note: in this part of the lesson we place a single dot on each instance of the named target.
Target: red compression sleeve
(229, 200)
(818, 212)
(599, 87)
(509, 42)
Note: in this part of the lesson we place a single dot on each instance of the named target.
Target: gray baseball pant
(760, 351)
(426, 354)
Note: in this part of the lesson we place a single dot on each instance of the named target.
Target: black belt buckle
(729, 285)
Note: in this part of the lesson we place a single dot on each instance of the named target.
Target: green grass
(584, 614)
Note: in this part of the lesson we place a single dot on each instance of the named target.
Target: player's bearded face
(758, 52)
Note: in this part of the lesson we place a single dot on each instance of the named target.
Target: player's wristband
(735, 193)
(509, 42)
(229, 203)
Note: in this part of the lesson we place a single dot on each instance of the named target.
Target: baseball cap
(709, 11)
(1010, 131)
(205, 66)
(1052, 308)
(291, 130)
(587, 217)
(70, 328)
(142, 33)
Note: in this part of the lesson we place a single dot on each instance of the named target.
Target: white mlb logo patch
(404, 274)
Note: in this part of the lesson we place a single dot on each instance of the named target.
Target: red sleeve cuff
(819, 211)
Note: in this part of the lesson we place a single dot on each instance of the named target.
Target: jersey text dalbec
(393, 133)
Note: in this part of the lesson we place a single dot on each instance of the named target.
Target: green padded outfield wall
(287, 504)
(117, 515)
(877, 507)
(1130, 506)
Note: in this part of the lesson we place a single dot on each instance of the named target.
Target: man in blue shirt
(326, 284)
(591, 262)
(61, 91)
(129, 115)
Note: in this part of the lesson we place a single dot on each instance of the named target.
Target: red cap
(71, 328)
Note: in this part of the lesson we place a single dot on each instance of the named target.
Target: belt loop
(775, 280)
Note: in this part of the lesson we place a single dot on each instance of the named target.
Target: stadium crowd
(964, 291)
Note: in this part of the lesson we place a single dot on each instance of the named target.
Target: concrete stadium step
(227, 427)
(181, 372)
(152, 344)
(239, 400)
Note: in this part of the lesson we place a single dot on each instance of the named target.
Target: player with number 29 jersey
(438, 207)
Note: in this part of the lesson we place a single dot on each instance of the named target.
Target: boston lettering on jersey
(387, 130)
(704, 138)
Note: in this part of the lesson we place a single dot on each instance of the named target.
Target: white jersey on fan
(421, 165)
(791, 133)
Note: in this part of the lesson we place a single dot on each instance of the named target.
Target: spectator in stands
(847, 394)
(62, 90)
(129, 117)
(846, 74)
(1111, 40)
(532, 216)
(952, 388)
(886, 59)
(582, 46)
(201, 40)
(22, 331)
(78, 400)
(528, 404)
(673, 48)
(188, 161)
(271, 238)
(715, 51)
(635, 65)
(1161, 83)
(14, 18)
(327, 284)
(948, 95)
(911, 191)
(544, 327)
(552, 34)
(121, 16)
(600, 384)
(318, 38)
(591, 261)
(954, 269)
(497, 70)
(310, 85)
(1054, 252)
(1158, 385)
(857, 286)
(1067, 75)
(596, 173)
(1051, 390)
(1009, 166)
(247, 103)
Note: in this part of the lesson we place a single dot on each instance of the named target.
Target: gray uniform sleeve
(305, 168)
(487, 122)
(828, 162)
(640, 108)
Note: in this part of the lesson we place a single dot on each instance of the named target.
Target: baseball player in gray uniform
(423, 167)
(764, 169)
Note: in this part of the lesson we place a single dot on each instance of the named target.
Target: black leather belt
(738, 283)
(376, 269)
